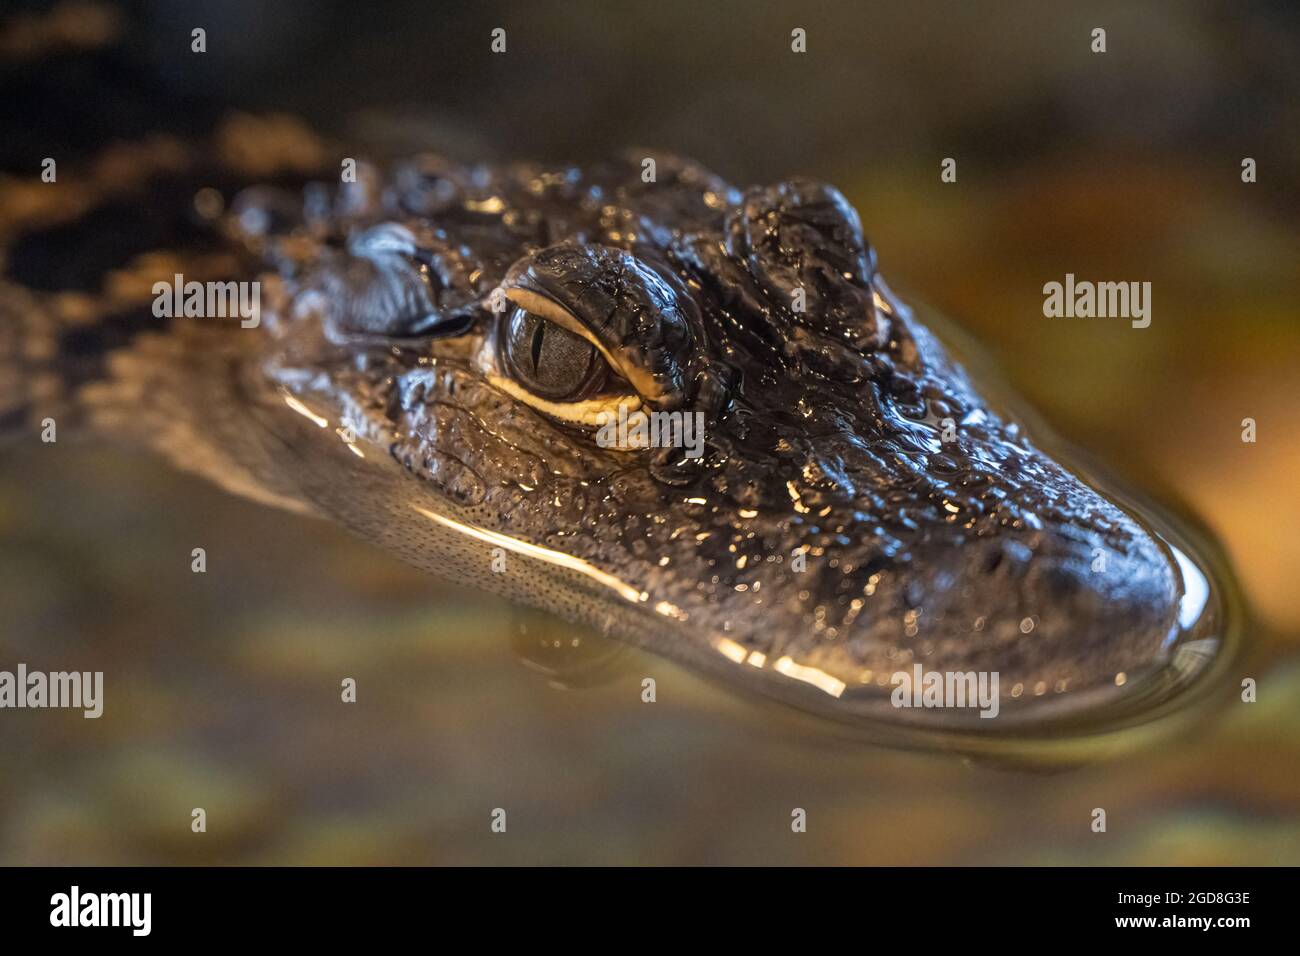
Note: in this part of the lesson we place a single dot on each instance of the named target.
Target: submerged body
(438, 348)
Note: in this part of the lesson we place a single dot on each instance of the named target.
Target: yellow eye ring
(589, 412)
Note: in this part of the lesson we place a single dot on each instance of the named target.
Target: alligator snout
(1014, 570)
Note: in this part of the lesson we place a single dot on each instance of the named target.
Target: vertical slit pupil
(539, 330)
(550, 361)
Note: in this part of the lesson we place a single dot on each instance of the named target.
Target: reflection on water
(570, 658)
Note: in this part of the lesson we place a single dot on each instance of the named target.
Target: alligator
(438, 343)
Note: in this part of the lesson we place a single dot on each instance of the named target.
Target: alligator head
(821, 498)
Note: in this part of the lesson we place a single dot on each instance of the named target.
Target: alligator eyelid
(438, 325)
(442, 329)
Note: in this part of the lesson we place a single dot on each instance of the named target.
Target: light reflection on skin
(320, 422)
(810, 675)
(725, 646)
(304, 411)
(626, 591)
(1196, 590)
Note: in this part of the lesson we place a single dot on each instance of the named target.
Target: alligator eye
(550, 361)
(543, 356)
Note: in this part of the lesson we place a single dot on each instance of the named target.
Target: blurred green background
(222, 689)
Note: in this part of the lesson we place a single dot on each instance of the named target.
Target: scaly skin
(825, 444)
